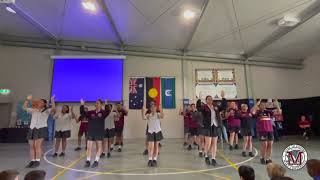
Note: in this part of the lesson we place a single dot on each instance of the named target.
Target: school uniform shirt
(191, 121)
(120, 122)
(63, 121)
(95, 121)
(38, 118)
(234, 119)
(210, 116)
(303, 123)
(83, 123)
(185, 118)
(213, 117)
(154, 125)
(245, 120)
(197, 117)
(264, 121)
(109, 120)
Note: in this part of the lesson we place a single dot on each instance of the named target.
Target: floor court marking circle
(140, 174)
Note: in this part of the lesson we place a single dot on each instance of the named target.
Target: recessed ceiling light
(89, 5)
(188, 14)
(10, 9)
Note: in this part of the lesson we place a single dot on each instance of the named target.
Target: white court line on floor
(140, 174)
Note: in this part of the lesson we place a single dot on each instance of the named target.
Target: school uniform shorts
(34, 134)
(62, 134)
(153, 137)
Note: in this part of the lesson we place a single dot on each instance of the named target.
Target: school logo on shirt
(99, 114)
(294, 157)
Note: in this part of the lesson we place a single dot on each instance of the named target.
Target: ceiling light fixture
(89, 5)
(289, 21)
(10, 10)
(189, 14)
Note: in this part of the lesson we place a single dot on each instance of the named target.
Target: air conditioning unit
(7, 1)
(288, 21)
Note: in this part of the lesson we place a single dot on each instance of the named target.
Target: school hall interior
(159, 56)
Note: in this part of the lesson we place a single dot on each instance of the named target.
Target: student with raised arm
(154, 132)
(109, 129)
(95, 130)
(63, 129)
(211, 122)
(246, 118)
(83, 129)
(38, 129)
(264, 129)
(233, 116)
(119, 125)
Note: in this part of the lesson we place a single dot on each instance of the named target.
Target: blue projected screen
(90, 79)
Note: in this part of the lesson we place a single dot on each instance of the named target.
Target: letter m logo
(295, 160)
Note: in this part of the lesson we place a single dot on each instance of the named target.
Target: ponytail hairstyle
(198, 105)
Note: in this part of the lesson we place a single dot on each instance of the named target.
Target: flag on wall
(153, 90)
(136, 93)
(168, 89)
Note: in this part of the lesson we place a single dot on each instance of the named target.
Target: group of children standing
(205, 121)
(106, 121)
(99, 125)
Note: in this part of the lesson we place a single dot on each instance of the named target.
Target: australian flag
(136, 92)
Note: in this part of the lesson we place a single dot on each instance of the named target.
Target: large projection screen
(90, 78)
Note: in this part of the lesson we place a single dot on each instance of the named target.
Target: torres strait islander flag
(153, 91)
(168, 89)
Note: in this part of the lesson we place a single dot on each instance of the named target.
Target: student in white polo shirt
(154, 135)
(38, 128)
(109, 127)
(63, 129)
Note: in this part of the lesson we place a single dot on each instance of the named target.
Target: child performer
(193, 127)
(264, 129)
(246, 123)
(63, 129)
(95, 130)
(109, 129)
(304, 125)
(211, 121)
(154, 132)
(83, 129)
(233, 124)
(119, 124)
(185, 123)
(38, 129)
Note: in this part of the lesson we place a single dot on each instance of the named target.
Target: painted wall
(28, 71)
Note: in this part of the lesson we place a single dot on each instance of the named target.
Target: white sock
(88, 158)
(33, 160)
(97, 158)
(120, 147)
(150, 158)
(155, 158)
(38, 160)
(200, 151)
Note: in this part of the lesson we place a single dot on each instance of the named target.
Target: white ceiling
(226, 26)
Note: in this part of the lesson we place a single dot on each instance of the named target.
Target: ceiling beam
(194, 30)
(305, 15)
(144, 52)
(107, 13)
(26, 16)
